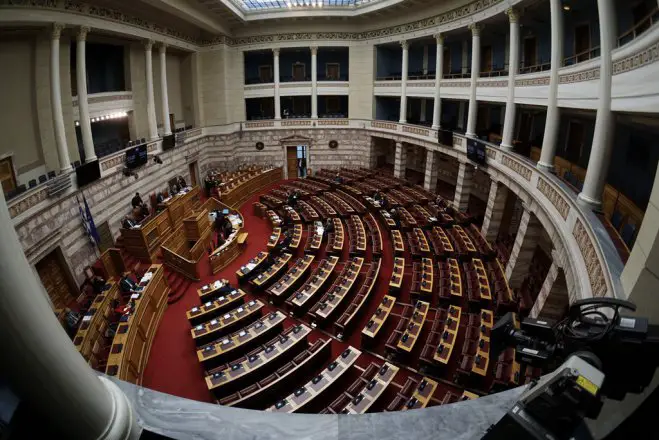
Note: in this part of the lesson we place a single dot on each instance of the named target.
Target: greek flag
(88, 222)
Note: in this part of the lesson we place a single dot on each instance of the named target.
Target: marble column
(430, 180)
(167, 129)
(526, 241)
(463, 187)
(600, 152)
(41, 363)
(553, 297)
(314, 82)
(150, 100)
(403, 83)
(439, 73)
(400, 161)
(475, 72)
(550, 141)
(56, 100)
(513, 67)
(83, 105)
(275, 53)
(496, 203)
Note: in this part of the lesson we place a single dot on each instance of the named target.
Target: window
(332, 104)
(299, 72)
(332, 71)
(265, 74)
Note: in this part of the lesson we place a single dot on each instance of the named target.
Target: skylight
(259, 5)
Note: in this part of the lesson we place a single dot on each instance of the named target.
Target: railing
(422, 76)
(640, 27)
(592, 52)
(394, 77)
(534, 68)
(494, 73)
(256, 80)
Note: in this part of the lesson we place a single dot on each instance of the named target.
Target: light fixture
(566, 7)
(77, 123)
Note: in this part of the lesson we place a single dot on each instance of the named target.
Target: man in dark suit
(181, 182)
(227, 228)
(137, 200)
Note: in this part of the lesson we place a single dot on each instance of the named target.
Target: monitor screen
(476, 151)
(88, 173)
(136, 157)
(168, 142)
(445, 137)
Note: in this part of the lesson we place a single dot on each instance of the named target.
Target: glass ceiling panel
(256, 5)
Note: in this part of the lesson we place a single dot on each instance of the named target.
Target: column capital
(162, 47)
(314, 50)
(57, 30)
(404, 44)
(476, 29)
(82, 33)
(275, 51)
(439, 38)
(513, 15)
(148, 45)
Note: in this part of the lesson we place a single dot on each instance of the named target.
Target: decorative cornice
(82, 33)
(554, 197)
(586, 75)
(543, 81)
(593, 266)
(517, 167)
(638, 59)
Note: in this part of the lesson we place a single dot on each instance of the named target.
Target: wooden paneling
(54, 279)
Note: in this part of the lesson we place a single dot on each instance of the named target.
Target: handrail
(458, 75)
(645, 23)
(592, 52)
(494, 73)
(534, 68)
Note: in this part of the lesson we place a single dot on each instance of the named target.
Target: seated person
(227, 228)
(282, 244)
(174, 189)
(127, 285)
(128, 223)
(329, 225)
(137, 200)
(181, 182)
(94, 280)
(144, 211)
(338, 178)
(160, 197)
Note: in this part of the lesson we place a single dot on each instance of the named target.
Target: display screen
(168, 142)
(88, 173)
(476, 151)
(136, 157)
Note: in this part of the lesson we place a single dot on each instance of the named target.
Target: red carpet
(173, 367)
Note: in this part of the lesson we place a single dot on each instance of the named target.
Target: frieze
(517, 167)
(292, 122)
(586, 75)
(639, 59)
(589, 254)
(554, 197)
(384, 125)
(416, 130)
(30, 200)
(333, 122)
(259, 124)
(491, 153)
(542, 81)
(498, 83)
(464, 83)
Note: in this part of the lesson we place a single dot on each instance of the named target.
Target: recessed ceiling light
(566, 7)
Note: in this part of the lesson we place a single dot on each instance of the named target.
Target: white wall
(18, 117)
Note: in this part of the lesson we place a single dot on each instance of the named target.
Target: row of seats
(357, 235)
(338, 292)
(374, 233)
(322, 207)
(349, 317)
(307, 213)
(301, 298)
(356, 204)
(339, 205)
(336, 238)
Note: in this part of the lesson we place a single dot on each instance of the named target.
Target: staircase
(178, 284)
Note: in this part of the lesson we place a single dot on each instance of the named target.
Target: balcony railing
(495, 71)
(456, 75)
(540, 67)
(324, 77)
(258, 80)
(643, 25)
(582, 56)
(396, 76)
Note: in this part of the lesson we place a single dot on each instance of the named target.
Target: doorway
(296, 161)
(582, 42)
(57, 280)
(486, 59)
(192, 167)
(574, 144)
(530, 45)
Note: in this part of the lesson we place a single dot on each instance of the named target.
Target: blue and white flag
(88, 222)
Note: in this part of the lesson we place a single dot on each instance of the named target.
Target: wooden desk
(210, 309)
(294, 274)
(483, 351)
(252, 264)
(229, 251)
(296, 237)
(421, 397)
(237, 191)
(301, 397)
(144, 242)
(389, 222)
(427, 277)
(340, 289)
(337, 237)
(456, 278)
(274, 238)
(467, 395)
(508, 294)
(275, 220)
(180, 205)
(227, 379)
(243, 339)
(451, 328)
(413, 330)
(315, 282)
(265, 277)
(314, 239)
(135, 333)
(308, 213)
(469, 245)
(448, 247)
(421, 240)
(95, 321)
(397, 273)
(210, 291)
(292, 214)
(373, 390)
(357, 234)
(379, 317)
(483, 283)
(397, 241)
(218, 327)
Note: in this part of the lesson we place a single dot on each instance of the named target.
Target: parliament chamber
(328, 208)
